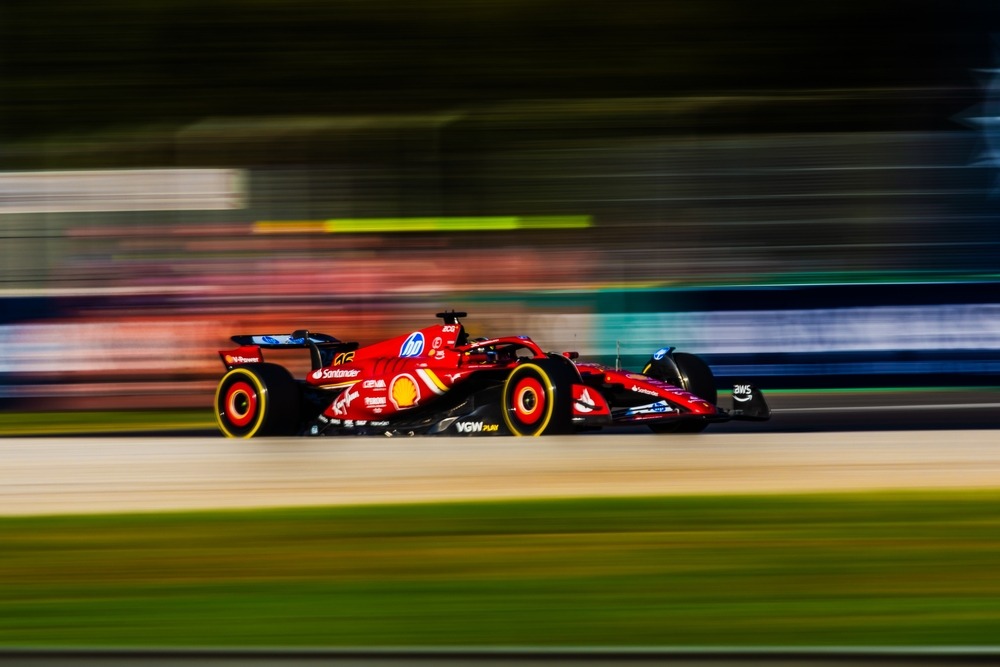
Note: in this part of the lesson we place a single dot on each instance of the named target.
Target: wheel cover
(241, 403)
(528, 400)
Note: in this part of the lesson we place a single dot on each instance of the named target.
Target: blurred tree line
(68, 66)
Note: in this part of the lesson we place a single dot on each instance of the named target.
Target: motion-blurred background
(804, 193)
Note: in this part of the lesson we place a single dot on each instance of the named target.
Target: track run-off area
(127, 474)
(814, 442)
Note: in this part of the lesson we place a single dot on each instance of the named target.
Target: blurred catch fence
(805, 259)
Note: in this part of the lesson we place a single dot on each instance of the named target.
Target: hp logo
(413, 346)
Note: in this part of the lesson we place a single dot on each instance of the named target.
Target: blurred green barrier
(824, 570)
(119, 421)
(435, 224)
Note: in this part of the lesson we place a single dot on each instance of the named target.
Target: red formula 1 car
(436, 381)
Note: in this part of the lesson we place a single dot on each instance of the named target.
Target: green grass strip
(828, 570)
(121, 421)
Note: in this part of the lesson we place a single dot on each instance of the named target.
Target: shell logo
(404, 391)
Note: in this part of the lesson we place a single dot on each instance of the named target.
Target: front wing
(748, 404)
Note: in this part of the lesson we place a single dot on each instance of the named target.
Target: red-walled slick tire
(257, 400)
(537, 398)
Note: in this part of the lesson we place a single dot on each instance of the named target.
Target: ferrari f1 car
(436, 381)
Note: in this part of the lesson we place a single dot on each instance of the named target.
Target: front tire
(691, 373)
(537, 398)
(257, 400)
(687, 371)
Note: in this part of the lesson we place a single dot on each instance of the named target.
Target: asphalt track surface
(837, 444)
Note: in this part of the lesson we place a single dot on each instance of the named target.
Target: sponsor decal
(379, 423)
(449, 328)
(404, 392)
(437, 342)
(344, 401)
(658, 407)
(476, 427)
(586, 403)
(452, 377)
(662, 352)
(742, 392)
(413, 346)
(336, 373)
(642, 390)
(238, 359)
(343, 358)
(371, 401)
(270, 340)
(374, 384)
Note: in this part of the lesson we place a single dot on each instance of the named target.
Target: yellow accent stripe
(438, 224)
(432, 381)
(339, 384)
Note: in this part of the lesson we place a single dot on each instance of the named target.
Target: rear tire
(537, 397)
(257, 400)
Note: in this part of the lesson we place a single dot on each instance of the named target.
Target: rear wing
(294, 339)
(324, 349)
